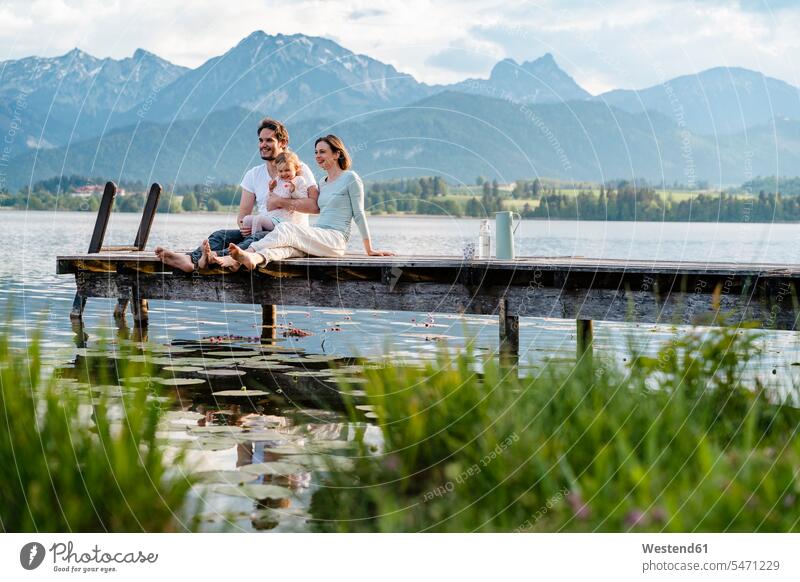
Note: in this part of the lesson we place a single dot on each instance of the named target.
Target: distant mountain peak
(255, 36)
(141, 53)
(545, 59)
(77, 53)
(537, 81)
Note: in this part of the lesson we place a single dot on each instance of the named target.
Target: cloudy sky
(604, 45)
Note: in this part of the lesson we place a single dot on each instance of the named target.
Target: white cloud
(620, 43)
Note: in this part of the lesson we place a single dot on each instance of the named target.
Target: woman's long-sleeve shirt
(341, 202)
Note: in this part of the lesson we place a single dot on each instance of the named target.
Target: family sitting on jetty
(285, 192)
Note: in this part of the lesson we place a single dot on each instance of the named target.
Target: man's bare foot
(175, 260)
(206, 258)
(249, 260)
(226, 261)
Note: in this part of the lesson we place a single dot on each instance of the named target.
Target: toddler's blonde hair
(290, 159)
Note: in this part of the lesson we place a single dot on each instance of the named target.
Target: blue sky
(604, 45)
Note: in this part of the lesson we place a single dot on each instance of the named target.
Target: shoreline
(414, 216)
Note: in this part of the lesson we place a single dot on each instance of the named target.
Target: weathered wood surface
(559, 287)
(96, 243)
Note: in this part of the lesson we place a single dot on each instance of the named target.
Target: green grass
(71, 463)
(675, 443)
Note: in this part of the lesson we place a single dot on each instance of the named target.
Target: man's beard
(268, 157)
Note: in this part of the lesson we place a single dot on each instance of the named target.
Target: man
(273, 139)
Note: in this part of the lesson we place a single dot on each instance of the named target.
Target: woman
(341, 201)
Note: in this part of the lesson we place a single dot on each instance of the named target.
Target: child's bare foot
(175, 260)
(248, 260)
(227, 262)
(205, 259)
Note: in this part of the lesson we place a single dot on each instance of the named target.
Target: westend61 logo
(66, 559)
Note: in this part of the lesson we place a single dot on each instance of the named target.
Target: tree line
(59, 194)
(614, 201)
(627, 202)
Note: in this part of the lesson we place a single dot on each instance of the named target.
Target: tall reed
(679, 442)
(73, 463)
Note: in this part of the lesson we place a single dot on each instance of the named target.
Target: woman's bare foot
(226, 261)
(206, 258)
(249, 260)
(175, 260)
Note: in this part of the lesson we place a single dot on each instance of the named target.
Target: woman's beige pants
(297, 240)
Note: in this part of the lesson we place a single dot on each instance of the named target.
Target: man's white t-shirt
(257, 180)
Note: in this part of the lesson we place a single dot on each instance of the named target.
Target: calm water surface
(300, 414)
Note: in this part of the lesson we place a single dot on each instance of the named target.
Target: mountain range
(143, 118)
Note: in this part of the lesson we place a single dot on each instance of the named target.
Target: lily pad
(222, 373)
(350, 380)
(181, 368)
(222, 363)
(273, 348)
(254, 491)
(240, 393)
(213, 444)
(267, 435)
(232, 353)
(282, 468)
(176, 415)
(264, 366)
(180, 381)
(225, 477)
(155, 348)
(321, 358)
(325, 462)
(216, 429)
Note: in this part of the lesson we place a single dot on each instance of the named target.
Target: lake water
(32, 240)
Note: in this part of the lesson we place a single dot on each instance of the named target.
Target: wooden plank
(148, 214)
(103, 215)
(523, 264)
(703, 305)
(96, 242)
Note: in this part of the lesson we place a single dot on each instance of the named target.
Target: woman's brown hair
(337, 147)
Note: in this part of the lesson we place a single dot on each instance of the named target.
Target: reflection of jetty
(561, 287)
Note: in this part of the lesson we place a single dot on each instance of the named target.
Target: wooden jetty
(581, 289)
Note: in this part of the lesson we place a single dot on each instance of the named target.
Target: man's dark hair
(281, 134)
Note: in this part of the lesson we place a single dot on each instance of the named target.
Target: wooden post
(99, 233)
(269, 322)
(148, 214)
(140, 317)
(119, 309)
(585, 338)
(509, 335)
(145, 224)
(80, 333)
(139, 310)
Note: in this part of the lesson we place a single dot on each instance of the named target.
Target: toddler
(289, 184)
